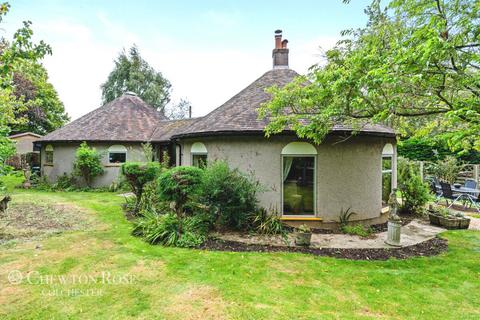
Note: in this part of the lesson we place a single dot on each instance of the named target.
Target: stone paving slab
(415, 232)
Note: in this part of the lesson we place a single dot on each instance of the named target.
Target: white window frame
(388, 152)
(198, 149)
(299, 149)
(49, 148)
(117, 148)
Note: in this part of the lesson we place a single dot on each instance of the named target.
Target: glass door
(298, 185)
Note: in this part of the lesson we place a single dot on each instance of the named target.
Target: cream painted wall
(24, 144)
(348, 173)
(64, 155)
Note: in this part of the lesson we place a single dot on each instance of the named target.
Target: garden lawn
(171, 283)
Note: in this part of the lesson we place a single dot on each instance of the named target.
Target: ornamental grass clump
(87, 164)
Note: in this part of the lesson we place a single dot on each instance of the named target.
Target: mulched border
(427, 248)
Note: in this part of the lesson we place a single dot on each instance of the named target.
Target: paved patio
(415, 232)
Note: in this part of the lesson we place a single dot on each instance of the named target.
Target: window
(387, 166)
(49, 154)
(117, 154)
(199, 155)
(299, 176)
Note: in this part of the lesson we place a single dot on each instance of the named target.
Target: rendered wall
(64, 155)
(348, 173)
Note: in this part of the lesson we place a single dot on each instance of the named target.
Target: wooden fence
(469, 171)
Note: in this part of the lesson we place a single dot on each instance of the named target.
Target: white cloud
(206, 76)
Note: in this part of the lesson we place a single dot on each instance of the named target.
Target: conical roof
(239, 114)
(127, 118)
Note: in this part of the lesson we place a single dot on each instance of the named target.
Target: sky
(208, 50)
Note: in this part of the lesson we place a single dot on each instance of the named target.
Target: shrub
(357, 230)
(447, 169)
(267, 222)
(64, 182)
(138, 175)
(415, 193)
(230, 194)
(87, 163)
(179, 185)
(171, 230)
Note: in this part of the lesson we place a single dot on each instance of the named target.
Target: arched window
(49, 154)
(199, 154)
(117, 154)
(299, 176)
(387, 169)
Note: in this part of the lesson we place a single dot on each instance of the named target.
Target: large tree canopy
(132, 73)
(414, 65)
(19, 50)
(40, 109)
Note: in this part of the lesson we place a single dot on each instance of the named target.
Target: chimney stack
(280, 53)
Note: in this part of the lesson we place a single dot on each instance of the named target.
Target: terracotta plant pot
(303, 238)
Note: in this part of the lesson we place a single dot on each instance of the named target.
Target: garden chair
(470, 183)
(433, 184)
(447, 193)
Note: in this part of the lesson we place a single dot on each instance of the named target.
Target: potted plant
(447, 219)
(433, 216)
(303, 235)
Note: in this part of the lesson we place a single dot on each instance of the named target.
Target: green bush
(230, 194)
(171, 230)
(137, 176)
(357, 230)
(87, 163)
(267, 222)
(415, 193)
(447, 169)
(64, 182)
(179, 185)
(428, 149)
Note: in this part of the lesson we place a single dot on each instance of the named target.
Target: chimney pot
(280, 52)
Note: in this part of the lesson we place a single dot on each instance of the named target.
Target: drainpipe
(179, 153)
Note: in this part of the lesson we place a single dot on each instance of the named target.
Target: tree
(87, 164)
(132, 73)
(415, 62)
(180, 110)
(138, 175)
(21, 48)
(41, 110)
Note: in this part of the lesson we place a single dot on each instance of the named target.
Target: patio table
(468, 194)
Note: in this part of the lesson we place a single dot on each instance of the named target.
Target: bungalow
(303, 181)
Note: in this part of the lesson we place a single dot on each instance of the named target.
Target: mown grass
(172, 283)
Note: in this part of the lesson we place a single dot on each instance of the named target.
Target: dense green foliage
(415, 66)
(138, 175)
(427, 149)
(415, 193)
(171, 230)
(14, 53)
(230, 194)
(87, 163)
(226, 284)
(267, 222)
(132, 73)
(179, 185)
(38, 108)
(357, 229)
(446, 170)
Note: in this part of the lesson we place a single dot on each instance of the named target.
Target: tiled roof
(126, 118)
(239, 114)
